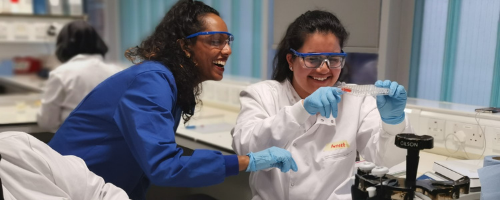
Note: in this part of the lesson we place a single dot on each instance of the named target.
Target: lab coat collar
(86, 57)
(294, 98)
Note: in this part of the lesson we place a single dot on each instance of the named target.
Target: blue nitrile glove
(392, 106)
(271, 157)
(324, 100)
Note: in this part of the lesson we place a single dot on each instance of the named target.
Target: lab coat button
(292, 184)
(294, 144)
(322, 120)
(332, 120)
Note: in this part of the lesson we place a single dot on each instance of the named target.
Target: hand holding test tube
(391, 99)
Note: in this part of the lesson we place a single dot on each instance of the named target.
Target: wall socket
(436, 128)
(474, 136)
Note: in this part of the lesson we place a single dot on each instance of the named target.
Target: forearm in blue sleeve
(202, 168)
(232, 165)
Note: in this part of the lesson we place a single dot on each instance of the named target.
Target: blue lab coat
(124, 130)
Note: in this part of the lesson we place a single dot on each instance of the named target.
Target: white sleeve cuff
(299, 112)
(394, 129)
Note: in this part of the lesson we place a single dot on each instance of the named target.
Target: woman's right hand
(324, 101)
(271, 157)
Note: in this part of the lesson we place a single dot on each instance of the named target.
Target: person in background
(300, 111)
(81, 50)
(125, 128)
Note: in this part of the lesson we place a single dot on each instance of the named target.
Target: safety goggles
(214, 39)
(315, 60)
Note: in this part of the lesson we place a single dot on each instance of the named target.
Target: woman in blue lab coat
(124, 129)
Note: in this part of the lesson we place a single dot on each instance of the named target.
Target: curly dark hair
(296, 33)
(164, 46)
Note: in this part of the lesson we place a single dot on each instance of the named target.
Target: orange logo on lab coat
(336, 145)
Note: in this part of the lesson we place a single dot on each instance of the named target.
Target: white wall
(360, 17)
(394, 51)
(112, 30)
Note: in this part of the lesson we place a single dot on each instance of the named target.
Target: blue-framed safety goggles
(215, 39)
(315, 60)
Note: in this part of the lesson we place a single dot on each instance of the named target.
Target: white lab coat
(323, 148)
(68, 84)
(30, 169)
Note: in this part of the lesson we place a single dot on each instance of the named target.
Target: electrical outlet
(474, 137)
(436, 128)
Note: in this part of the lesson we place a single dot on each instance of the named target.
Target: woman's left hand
(392, 106)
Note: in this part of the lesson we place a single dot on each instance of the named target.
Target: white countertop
(223, 139)
(211, 125)
(19, 109)
(449, 108)
(30, 82)
(425, 163)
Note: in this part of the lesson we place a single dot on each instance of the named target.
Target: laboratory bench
(212, 125)
(18, 109)
(20, 103)
(209, 128)
(24, 83)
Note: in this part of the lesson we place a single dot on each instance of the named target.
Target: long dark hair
(78, 37)
(164, 46)
(307, 23)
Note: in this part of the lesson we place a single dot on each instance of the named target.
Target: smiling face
(210, 61)
(306, 80)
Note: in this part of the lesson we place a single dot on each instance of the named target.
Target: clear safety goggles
(214, 39)
(315, 60)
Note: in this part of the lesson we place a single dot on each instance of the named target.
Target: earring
(188, 55)
(290, 68)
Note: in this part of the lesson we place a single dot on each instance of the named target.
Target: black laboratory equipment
(373, 183)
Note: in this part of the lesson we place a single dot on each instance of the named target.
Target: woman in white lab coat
(322, 127)
(81, 50)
